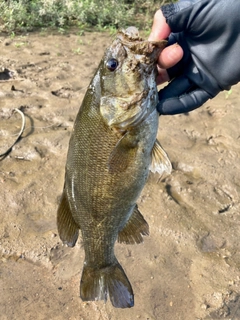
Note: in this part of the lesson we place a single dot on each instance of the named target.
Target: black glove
(209, 33)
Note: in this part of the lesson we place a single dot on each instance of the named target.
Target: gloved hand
(209, 33)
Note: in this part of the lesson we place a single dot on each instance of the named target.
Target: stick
(19, 134)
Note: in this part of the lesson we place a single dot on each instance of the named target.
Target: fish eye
(112, 64)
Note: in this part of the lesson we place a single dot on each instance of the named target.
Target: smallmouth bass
(112, 147)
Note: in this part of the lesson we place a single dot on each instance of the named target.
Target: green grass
(26, 15)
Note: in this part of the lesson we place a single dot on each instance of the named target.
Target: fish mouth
(131, 39)
(135, 95)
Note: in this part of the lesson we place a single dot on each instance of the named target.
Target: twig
(19, 134)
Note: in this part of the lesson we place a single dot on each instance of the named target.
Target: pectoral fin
(67, 228)
(123, 154)
(160, 161)
(135, 229)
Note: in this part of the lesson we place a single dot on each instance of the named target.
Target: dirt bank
(187, 269)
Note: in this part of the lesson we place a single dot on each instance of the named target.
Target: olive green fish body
(110, 152)
(102, 198)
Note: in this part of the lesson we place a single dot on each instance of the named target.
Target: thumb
(160, 28)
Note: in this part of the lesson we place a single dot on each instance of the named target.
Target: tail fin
(98, 284)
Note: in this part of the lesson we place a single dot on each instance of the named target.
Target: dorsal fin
(67, 227)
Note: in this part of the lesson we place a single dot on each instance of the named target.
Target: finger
(160, 28)
(170, 56)
(173, 99)
(162, 76)
(167, 59)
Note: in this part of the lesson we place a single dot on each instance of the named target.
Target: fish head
(128, 79)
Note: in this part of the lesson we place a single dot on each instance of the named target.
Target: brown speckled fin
(160, 161)
(67, 227)
(123, 154)
(98, 284)
(135, 229)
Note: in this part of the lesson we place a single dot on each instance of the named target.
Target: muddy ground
(187, 269)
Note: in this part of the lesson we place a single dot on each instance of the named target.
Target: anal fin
(135, 229)
(160, 161)
(67, 228)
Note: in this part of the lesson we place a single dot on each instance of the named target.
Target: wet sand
(187, 269)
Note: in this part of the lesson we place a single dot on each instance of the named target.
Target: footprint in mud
(210, 244)
(64, 92)
(60, 255)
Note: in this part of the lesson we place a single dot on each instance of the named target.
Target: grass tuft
(27, 15)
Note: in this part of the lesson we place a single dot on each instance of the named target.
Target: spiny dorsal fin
(67, 227)
(135, 229)
(160, 161)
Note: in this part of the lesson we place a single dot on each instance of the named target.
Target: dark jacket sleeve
(209, 33)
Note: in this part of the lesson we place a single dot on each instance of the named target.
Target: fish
(112, 147)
